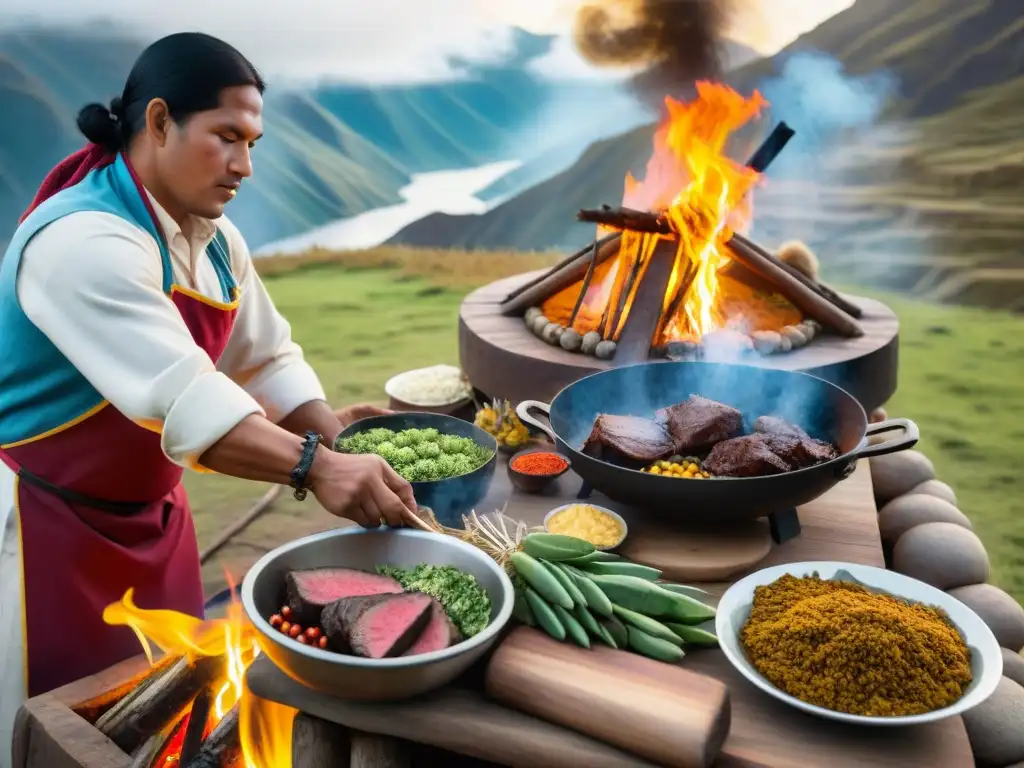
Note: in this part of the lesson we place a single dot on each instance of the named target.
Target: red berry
(286, 611)
(285, 627)
(313, 633)
(276, 620)
(295, 631)
(323, 643)
(302, 639)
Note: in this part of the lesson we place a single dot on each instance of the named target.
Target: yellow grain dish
(582, 521)
(687, 467)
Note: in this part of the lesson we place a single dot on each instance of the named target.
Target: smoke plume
(673, 42)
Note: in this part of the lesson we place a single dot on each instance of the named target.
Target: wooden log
(815, 285)
(627, 219)
(634, 344)
(568, 261)
(162, 701)
(223, 747)
(198, 717)
(318, 743)
(149, 753)
(808, 301)
(370, 750)
(585, 285)
(96, 707)
(770, 148)
(555, 280)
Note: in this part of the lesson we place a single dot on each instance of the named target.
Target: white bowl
(391, 384)
(616, 515)
(986, 658)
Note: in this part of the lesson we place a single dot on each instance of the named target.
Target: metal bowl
(451, 498)
(353, 677)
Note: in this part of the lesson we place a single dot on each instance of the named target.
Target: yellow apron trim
(206, 299)
(24, 599)
(66, 425)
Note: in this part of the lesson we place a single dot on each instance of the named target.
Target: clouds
(373, 41)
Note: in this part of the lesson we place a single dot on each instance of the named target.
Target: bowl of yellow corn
(687, 467)
(598, 525)
(500, 419)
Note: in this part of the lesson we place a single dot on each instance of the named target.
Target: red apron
(102, 509)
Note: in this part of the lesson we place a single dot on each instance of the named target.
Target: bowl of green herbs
(449, 462)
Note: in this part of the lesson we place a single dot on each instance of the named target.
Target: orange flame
(704, 196)
(264, 727)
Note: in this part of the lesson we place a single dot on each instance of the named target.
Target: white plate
(986, 658)
(616, 515)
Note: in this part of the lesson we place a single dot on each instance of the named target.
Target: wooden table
(842, 525)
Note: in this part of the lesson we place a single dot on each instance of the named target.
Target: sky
(387, 41)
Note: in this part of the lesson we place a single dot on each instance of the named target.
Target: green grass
(959, 380)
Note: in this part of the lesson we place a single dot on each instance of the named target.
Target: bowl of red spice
(533, 471)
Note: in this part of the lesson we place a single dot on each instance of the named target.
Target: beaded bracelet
(309, 447)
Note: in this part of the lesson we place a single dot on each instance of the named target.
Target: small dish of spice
(601, 527)
(534, 471)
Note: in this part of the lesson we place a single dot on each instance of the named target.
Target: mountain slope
(329, 152)
(920, 200)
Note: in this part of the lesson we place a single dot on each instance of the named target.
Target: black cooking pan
(824, 410)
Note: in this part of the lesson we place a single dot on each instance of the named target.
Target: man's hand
(362, 488)
(359, 411)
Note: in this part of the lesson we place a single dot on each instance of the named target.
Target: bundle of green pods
(574, 591)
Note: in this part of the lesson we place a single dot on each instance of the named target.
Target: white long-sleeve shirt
(93, 283)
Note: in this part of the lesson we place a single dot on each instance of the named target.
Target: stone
(896, 473)
(878, 416)
(540, 322)
(906, 512)
(531, 314)
(1013, 666)
(605, 350)
(809, 329)
(785, 345)
(766, 342)
(1001, 612)
(552, 332)
(570, 340)
(795, 336)
(995, 726)
(935, 488)
(944, 555)
(590, 341)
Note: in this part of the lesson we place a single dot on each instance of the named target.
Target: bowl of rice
(440, 389)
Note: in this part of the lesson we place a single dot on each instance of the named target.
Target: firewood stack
(631, 341)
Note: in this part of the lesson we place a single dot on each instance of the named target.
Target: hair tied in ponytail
(100, 126)
(117, 109)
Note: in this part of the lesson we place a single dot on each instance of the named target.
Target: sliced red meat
(697, 423)
(634, 437)
(748, 456)
(439, 633)
(376, 626)
(309, 592)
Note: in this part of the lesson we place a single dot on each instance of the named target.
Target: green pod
(567, 583)
(694, 635)
(616, 631)
(521, 610)
(653, 647)
(685, 590)
(597, 556)
(587, 620)
(597, 601)
(572, 627)
(555, 546)
(545, 615)
(635, 593)
(537, 576)
(622, 568)
(647, 625)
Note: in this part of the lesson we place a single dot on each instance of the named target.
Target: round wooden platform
(504, 359)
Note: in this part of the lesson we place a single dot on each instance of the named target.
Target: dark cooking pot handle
(907, 440)
(523, 412)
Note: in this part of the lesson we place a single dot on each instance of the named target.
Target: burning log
(634, 343)
(162, 700)
(584, 287)
(148, 755)
(197, 719)
(223, 747)
(627, 219)
(318, 743)
(811, 303)
(99, 708)
(818, 287)
(563, 274)
(771, 147)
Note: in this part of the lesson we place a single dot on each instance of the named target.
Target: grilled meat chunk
(698, 423)
(747, 456)
(632, 436)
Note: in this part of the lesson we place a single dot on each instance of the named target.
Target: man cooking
(136, 341)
